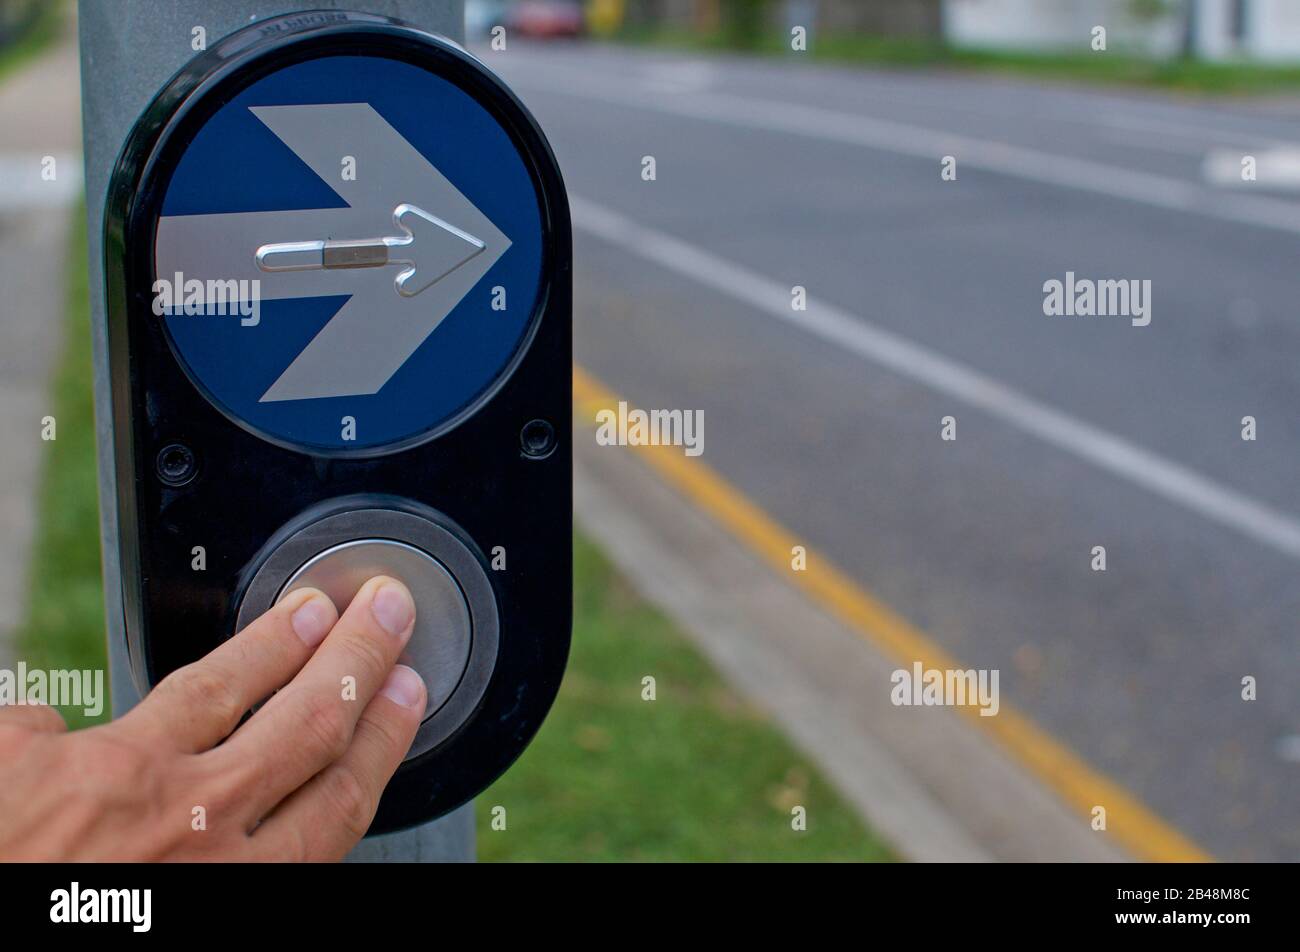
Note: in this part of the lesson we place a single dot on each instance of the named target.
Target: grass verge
(64, 627)
(696, 774)
(1109, 68)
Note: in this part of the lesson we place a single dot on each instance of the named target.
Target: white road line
(1081, 107)
(886, 135)
(1114, 454)
(1274, 169)
(1149, 125)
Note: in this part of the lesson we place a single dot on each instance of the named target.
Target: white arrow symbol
(442, 248)
(446, 252)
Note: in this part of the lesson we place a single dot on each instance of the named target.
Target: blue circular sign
(349, 254)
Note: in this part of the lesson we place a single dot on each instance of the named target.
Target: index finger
(309, 724)
(197, 706)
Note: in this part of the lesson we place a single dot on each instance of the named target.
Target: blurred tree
(1148, 10)
(708, 15)
(16, 18)
(1189, 28)
(645, 12)
(746, 21)
(604, 17)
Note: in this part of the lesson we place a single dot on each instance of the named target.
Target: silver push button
(439, 648)
(454, 645)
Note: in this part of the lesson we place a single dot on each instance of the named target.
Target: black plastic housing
(245, 490)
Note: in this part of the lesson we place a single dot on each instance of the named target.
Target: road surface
(926, 301)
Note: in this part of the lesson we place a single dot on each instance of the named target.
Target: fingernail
(313, 620)
(404, 687)
(393, 608)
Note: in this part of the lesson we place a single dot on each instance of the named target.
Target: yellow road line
(1143, 833)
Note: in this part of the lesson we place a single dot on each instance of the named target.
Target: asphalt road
(928, 302)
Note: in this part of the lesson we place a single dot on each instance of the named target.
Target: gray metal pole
(129, 49)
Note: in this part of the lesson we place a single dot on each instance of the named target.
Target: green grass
(43, 31)
(64, 627)
(1113, 67)
(696, 774)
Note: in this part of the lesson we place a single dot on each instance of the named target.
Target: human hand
(299, 780)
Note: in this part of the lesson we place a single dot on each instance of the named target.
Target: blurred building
(889, 17)
(1209, 29)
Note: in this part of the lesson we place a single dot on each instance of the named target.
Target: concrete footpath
(40, 181)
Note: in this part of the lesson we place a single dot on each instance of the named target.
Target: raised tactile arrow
(446, 244)
(428, 248)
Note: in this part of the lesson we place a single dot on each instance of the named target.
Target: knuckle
(368, 655)
(223, 789)
(328, 725)
(206, 688)
(348, 798)
(241, 650)
(381, 732)
(286, 843)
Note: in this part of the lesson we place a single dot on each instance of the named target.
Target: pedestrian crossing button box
(338, 277)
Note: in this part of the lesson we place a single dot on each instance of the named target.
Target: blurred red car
(547, 18)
